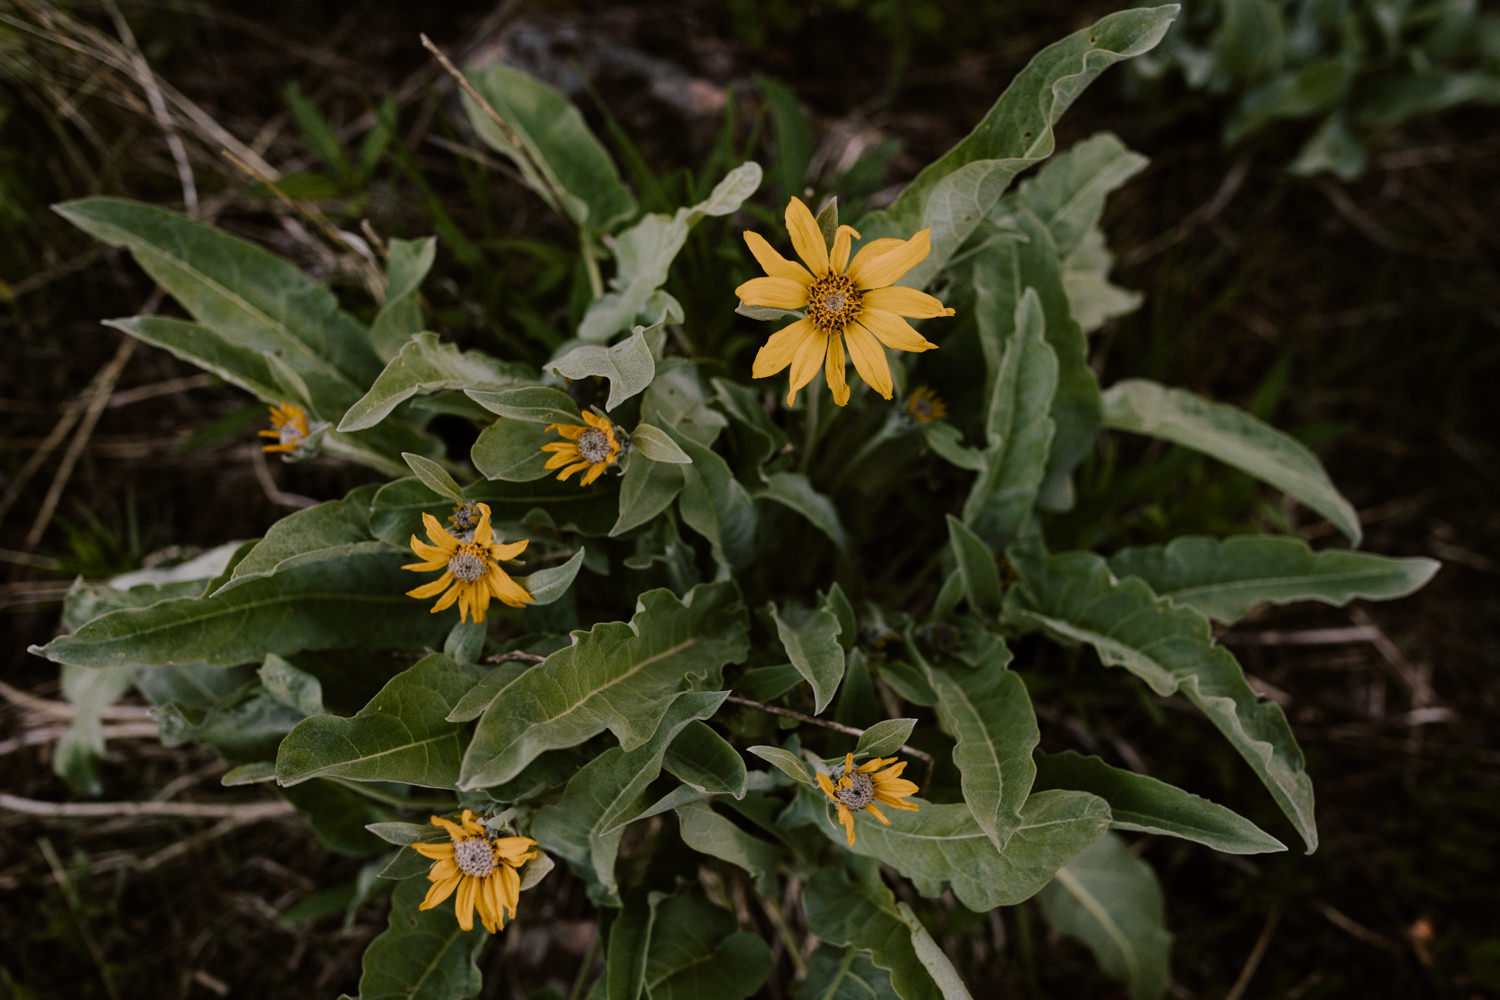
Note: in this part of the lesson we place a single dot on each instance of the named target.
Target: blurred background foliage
(1313, 238)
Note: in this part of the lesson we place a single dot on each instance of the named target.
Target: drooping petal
(826, 783)
(833, 370)
(463, 905)
(593, 474)
(431, 588)
(806, 362)
(877, 272)
(781, 348)
(439, 892)
(877, 814)
(893, 331)
(773, 263)
(570, 431)
(492, 904)
(905, 301)
(778, 293)
(807, 238)
(479, 602)
(446, 601)
(514, 850)
(846, 818)
(567, 454)
(578, 466)
(869, 360)
(838, 259)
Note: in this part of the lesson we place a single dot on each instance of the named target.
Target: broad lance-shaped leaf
(352, 596)
(400, 315)
(328, 525)
(697, 952)
(942, 845)
(205, 347)
(560, 158)
(250, 297)
(714, 504)
(644, 254)
(511, 450)
(616, 676)
(707, 832)
(401, 735)
(646, 489)
(1073, 597)
(793, 490)
(1232, 436)
(1067, 194)
(1225, 578)
(953, 194)
(988, 712)
(423, 954)
(425, 365)
(586, 825)
(628, 365)
(625, 955)
(1110, 900)
(1093, 299)
(1145, 804)
(865, 915)
(811, 640)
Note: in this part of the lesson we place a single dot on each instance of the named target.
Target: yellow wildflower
(291, 428)
(591, 445)
(482, 868)
(854, 788)
(924, 406)
(845, 302)
(470, 565)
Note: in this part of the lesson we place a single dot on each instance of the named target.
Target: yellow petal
(463, 906)
(454, 830)
(570, 431)
(893, 331)
(905, 301)
(876, 763)
(427, 567)
(778, 293)
(435, 852)
(443, 869)
(773, 263)
(578, 466)
(438, 533)
(428, 589)
(833, 370)
(779, 351)
(877, 272)
(848, 763)
(446, 601)
(894, 771)
(873, 249)
(838, 260)
(807, 238)
(806, 362)
(509, 591)
(491, 905)
(877, 814)
(513, 850)
(846, 818)
(593, 474)
(484, 534)
(826, 783)
(510, 888)
(869, 360)
(511, 550)
(429, 552)
(563, 457)
(896, 803)
(439, 892)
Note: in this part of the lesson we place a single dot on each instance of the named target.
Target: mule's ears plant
(788, 649)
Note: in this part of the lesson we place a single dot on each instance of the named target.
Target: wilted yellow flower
(854, 788)
(291, 428)
(924, 406)
(591, 445)
(470, 565)
(482, 868)
(845, 302)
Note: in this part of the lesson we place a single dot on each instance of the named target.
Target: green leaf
(400, 315)
(1110, 900)
(560, 158)
(586, 825)
(976, 565)
(351, 596)
(547, 585)
(811, 641)
(715, 504)
(1225, 578)
(1145, 804)
(988, 712)
(655, 444)
(616, 676)
(792, 490)
(1231, 436)
(707, 832)
(625, 958)
(678, 403)
(1067, 194)
(426, 365)
(1073, 597)
(942, 845)
(703, 759)
(511, 450)
(644, 254)
(401, 735)
(205, 347)
(402, 834)
(646, 489)
(81, 746)
(628, 365)
(742, 403)
(786, 762)
(866, 916)
(696, 953)
(538, 404)
(952, 195)
(294, 688)
(885, 737)
(251, 298)
(849, 974)
(433, 476)
(1092, 299)
(422, 955)
(1312, 89)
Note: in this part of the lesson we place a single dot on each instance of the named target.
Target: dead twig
(245, 811)
(1252, 962)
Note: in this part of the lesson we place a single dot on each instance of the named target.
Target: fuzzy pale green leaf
(812, 644)
(400, 314)
(426, 365)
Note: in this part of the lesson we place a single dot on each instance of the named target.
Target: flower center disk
(474, 857)
(593, 445)
(468, 563)
(859, 792)
(833, 302)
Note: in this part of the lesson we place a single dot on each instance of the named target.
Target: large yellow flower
(482, 868)
(291, 428)
(845, 302)
(858, 788)
(470, 565)
(591, 446)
